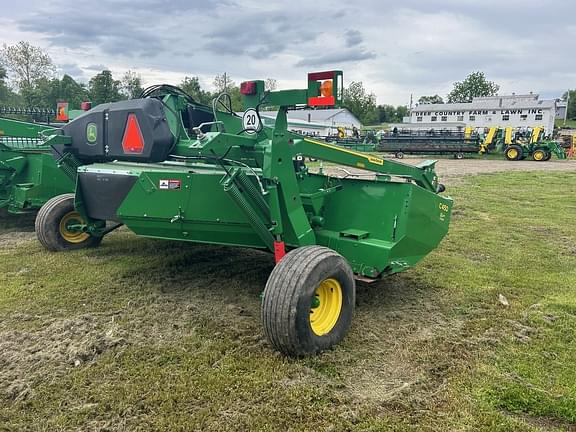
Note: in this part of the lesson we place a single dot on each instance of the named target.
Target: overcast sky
(395, 48)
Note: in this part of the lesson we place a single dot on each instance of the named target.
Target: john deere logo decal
(91, 133)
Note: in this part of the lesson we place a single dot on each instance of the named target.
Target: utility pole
(567, 104)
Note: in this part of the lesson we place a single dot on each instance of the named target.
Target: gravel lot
(450, 170)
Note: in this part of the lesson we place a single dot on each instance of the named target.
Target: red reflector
(319, 76)
(248, 88)
(321, 101)
(279, 251)
(133, 142)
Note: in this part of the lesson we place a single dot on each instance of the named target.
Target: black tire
(548, 156)
(459, 155)
(49, 226)
(399, 155)
(287, 305)
(513, 152)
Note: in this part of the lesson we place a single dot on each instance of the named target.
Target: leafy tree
(571, 114)
(475, 85)
(131, 85)
(7, 96)
(3, 86)
(224, 84)
(236, 96)
(28, 65)
(191, 85)
(430, 100)
(104, 88)
(360, 103)
(386, 114)
(43, 94)
(72, 92)
(401, 112)
(47, 92)
(391, 114)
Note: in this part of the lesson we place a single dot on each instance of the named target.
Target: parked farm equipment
(429, 142)
(532, 144)
(28, 173)
(170, 168)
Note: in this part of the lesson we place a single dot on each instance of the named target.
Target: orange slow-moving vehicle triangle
(133, 142)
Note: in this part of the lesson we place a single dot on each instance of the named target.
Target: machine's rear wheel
(399, 155)
(539, 155)
(308, 301)
(53, 226)
(513, 152)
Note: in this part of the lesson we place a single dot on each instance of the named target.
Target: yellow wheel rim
(512, 153)
(326, 306)
(538, 155)
(72, 218)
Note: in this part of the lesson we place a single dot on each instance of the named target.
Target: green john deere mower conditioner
(170, 168)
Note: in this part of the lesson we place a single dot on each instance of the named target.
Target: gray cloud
(353, 38)
(260, 35)
(394, 48)
(343, 56)
(112, 34)
(71, 69)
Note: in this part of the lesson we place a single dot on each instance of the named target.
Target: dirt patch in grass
(15, 229)
(50, 349)
(11, 239)
(542, 423)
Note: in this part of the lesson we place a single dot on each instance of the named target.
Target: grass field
(569, 123)
(151, 335)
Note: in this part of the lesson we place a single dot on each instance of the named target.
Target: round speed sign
(251, 122)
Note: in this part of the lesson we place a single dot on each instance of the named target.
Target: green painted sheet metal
(381, 225)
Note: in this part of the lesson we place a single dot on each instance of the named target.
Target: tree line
(28, 78)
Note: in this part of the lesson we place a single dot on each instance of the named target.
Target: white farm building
(516, 111)
(316, 121)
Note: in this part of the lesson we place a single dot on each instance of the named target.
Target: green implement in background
(29, 175)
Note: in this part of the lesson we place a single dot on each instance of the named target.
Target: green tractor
(168, 167)
(533, 145)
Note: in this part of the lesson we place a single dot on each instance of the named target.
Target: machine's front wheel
(54, 226)
(539, 155)
(459, 155)
(399, 155)
(513, 152)
(308, 301)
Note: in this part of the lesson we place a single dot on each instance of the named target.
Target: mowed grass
(154, 335)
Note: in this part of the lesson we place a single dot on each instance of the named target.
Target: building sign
(479, 112)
